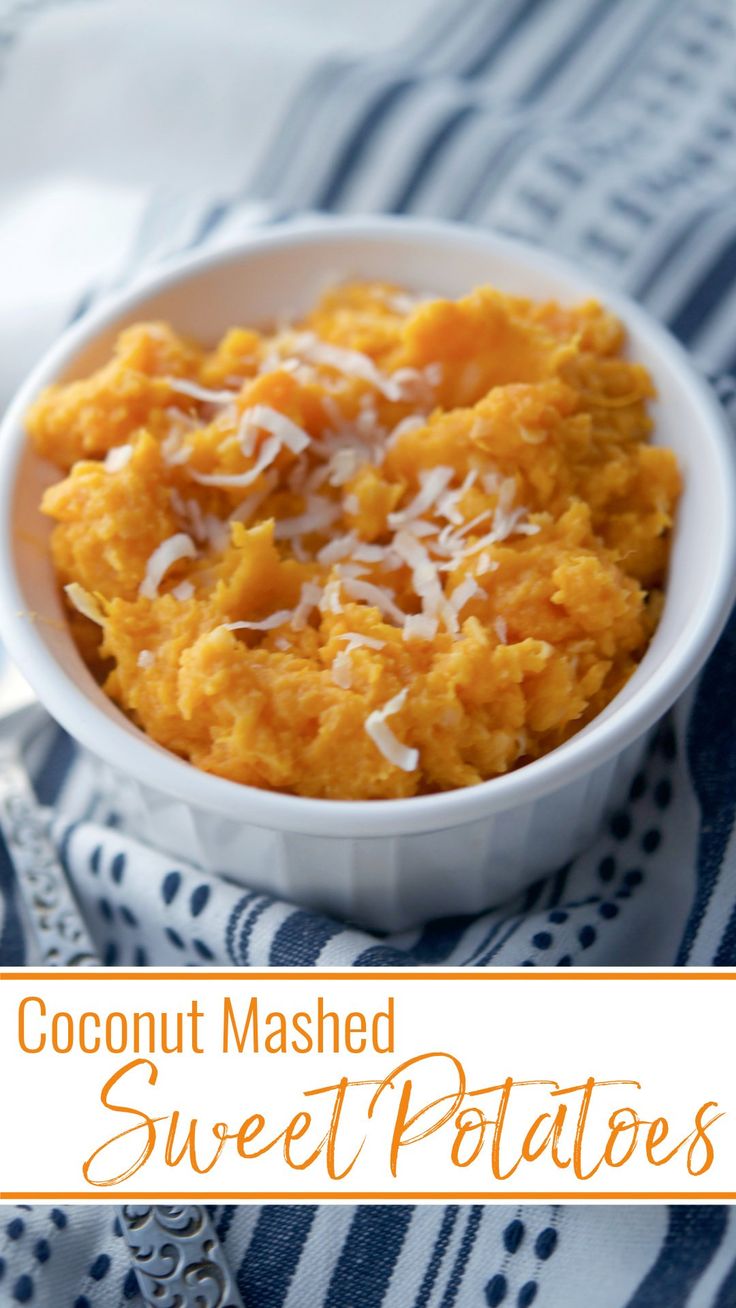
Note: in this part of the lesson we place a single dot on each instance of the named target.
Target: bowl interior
(283, 275)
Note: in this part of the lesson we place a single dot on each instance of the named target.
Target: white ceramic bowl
(387, 864)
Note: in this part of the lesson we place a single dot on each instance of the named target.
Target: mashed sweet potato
(397, 547)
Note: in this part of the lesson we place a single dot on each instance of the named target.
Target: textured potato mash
(394, 547)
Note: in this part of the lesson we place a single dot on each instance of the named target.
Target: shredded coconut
(168, 553)
(344, 464)
(378, 596)
(463, 593)
(411, 423)
(356, 640)
(334, 551)
(342, 670)
(447, 504)
(309, 599)
(173, 449)
(118, 457)
(247, 507)
(330, 601)
(384, 739)
(433, 482)
(484, 563)
(278, 619)
(84, 603)
(420, 626)
(261, 417)
(269, 451)
(319, 515)
(353, 363)
(145, 659)
(183, 591)
(501, 630)
(196, 392)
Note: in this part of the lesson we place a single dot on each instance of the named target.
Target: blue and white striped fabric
(604, 128)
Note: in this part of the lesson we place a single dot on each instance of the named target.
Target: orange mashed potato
(396, 547)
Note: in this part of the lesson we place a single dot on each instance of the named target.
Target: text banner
(367, 1085)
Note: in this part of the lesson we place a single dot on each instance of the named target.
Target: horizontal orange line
(360, 974)
(349, 1196)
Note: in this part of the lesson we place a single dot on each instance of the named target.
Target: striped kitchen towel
(603, 128)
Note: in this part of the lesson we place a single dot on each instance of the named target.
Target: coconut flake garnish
(168, 553)
(278, 619)
(411, 423)
(196, 392)
(145, 659)
(377, 596)
(484, 563)
(463, 593)
(342, 670)
(502, 630)
(425, 579)
(356, 640)
(261, 417)
(447, 504)
(420, 626)
(184, 591)
(269, 451)
(384, 739)
(173, 449)
(352, 363)
(330, 601)
(341, 547)
(432, 482)
(84, 603)
(118, 457)
(318, 516)
(309, 599)
(247, 507)
(344, 464)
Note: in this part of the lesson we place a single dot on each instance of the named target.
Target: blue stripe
(578, 38)
(559, 881)
(53, 772)
(225, 1221)
(354, 147)
(367, 1260)
(701, 303)
(462, 1257)
(501, 158)
(383, 956)
(335, 75)
(266, 1272)
(439, 1250)
(532, 896)
(483, 61)
(427, 160)
(726, 1296)
(440, 938)
(301, 938)
(694, 1235)
(668, 254)
(711, 748)
(639, 46)
(234, 921)
(264, 902)
(725, 955)
(12, 942)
